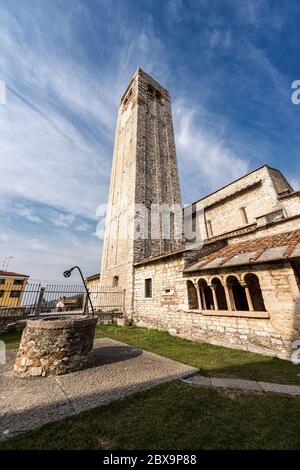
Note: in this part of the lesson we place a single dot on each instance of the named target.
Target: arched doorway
(253, 285)
(220, 294)
(237, 294)
(206, 295)
(192, 296)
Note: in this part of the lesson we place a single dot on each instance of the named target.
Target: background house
(12, 286)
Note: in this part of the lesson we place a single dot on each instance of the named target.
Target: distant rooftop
(12, 274)
(93, 277)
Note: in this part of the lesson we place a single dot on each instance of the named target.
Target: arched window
(237, 294)
(220, 294)
(115, 281)
(253, 285)
(206, 295)
(192, 296)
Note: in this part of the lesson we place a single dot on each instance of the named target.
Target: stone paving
(242, 384)
(117, 370)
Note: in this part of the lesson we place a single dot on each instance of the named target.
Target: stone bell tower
(144, 180)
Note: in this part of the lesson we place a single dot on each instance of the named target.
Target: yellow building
(12, 287)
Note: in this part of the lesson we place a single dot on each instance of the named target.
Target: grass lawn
(176, 416)
(211, 360)
(11, 340)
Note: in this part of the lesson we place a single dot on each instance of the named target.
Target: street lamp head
(68, 272)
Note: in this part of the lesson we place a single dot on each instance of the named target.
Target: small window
(209, 228)
(18, 282)
(1, 293)
(244, 215)
(148, 288)
(168, 291)
(115, 281)
(2, 281)
(15, 294)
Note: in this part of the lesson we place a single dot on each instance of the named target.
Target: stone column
(229, 297)
(198, 295)
(248, 295)
(214, 294)
(203, 298)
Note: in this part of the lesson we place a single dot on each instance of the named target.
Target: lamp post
(68, 273)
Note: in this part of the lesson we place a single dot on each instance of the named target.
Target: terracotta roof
(10, 273)
(273, 247)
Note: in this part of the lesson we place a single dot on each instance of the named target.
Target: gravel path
(242, 384)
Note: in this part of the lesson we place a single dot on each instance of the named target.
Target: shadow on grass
(174, 416)
(211, 360)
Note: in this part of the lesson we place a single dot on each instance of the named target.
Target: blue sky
(228, 65)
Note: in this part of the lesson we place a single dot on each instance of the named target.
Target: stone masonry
(240, 286)
(144, 171)
(270, 332)
(55, 346)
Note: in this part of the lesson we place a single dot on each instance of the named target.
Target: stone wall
(8, 316)
(291, 204)
(144, 171)
(55, 346)
(255, 195)
(168, 309)
(272, 229)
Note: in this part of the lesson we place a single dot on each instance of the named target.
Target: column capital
(212, 286)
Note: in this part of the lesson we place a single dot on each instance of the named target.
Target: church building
(237, 283)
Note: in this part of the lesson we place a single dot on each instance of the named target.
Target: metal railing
(35, 298)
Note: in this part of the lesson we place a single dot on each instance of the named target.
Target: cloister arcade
(230, 292)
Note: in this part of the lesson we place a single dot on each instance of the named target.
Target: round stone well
(55, 346)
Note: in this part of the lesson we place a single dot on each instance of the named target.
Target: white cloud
(44, 155)
(57, 135)
(37, 245)
(45, 258)
(27, 214)
(61, 220)
(82, 227)
(206, 162)
(57, 126)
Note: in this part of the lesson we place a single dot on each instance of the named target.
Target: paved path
(242, 384)
(117, 370)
